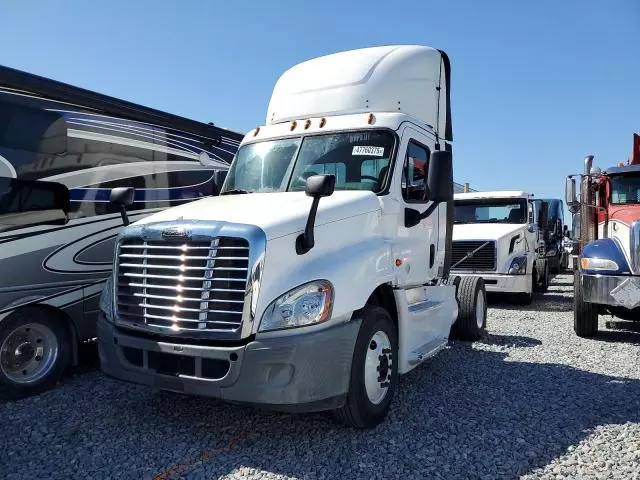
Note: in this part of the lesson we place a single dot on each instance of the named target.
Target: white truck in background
(321, 272)
(498, 235)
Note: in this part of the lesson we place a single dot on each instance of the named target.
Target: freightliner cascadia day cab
(498, 235)
(607, 217)
(62, 149)
(321, 272)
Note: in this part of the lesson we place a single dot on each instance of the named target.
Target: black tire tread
(585, 315)
(351, 413)
(465, 327)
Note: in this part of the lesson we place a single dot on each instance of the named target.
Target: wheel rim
(378, 367)
(480, 309)
(29, 353)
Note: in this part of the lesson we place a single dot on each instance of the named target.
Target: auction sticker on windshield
(366, 150)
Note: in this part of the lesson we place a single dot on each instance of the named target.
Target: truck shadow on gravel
(468, 412)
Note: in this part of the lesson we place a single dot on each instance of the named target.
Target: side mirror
(570, 192)
(440, 177)
(543, 218)
(123, 197)
(218, 178)
(318, 186)
(27, 203)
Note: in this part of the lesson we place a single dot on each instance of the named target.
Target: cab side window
(415, 169)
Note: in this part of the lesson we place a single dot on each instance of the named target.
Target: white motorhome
(321, 271)
(498, 235)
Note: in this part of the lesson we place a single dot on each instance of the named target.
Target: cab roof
(409, 79)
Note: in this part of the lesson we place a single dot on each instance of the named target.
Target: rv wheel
(374, 371)
(472, 309)
(34, 352)
(585, 314)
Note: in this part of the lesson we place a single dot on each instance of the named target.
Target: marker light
(322, 122)
(307, 124)
(294, 124)
(598, 264)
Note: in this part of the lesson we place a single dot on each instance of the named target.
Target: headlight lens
(305, 305)
(598, 264)
(106, 299)
(518, 266)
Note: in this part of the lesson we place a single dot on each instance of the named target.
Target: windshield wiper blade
(235, 191)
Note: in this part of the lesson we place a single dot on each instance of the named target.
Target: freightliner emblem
(175, 232)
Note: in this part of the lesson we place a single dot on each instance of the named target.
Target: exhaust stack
(587, 209)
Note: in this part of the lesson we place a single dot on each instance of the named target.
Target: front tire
(35, 351)
(472, 309)
(374, 371)
(543, 281)
(585, 314)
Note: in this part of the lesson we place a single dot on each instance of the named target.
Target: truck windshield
(359, 160)
(491, 210)
(625, 189)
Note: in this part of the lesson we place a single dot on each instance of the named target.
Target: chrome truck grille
(182, 285)
(482, 257)
(634, 247)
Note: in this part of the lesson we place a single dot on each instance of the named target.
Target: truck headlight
(305, 305)
(518, 266)
(106, 299)
(598, 264)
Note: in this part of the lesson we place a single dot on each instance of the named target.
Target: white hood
(278, 214)
(485, 231)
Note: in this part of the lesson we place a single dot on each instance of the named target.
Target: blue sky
(536, 85)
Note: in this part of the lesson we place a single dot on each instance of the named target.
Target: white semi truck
(321, 272)
(498, 235)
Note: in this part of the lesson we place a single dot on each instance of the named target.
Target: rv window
(415, 168)
(32, 129)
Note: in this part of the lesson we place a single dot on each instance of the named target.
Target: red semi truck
(607, 266)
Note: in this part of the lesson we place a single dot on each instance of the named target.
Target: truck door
(417, 246)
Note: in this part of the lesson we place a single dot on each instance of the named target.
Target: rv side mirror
(318, 186)
(218, 178)
(440, 177)
(27, 203)
(123, 197)
(543, 218)
(570, 191)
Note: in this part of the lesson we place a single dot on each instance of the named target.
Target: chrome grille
(634, 246)
(482, 260)
(182, 285)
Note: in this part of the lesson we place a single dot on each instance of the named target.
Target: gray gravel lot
(531, 400)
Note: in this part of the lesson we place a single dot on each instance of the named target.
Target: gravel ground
(531, 400)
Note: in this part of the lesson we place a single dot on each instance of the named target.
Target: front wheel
(585, 314)
(472, 309)
(34, 352)
(543, 280)
(374, 371)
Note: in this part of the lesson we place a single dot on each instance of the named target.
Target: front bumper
(616, 290)
(501, 283)
(300, 372)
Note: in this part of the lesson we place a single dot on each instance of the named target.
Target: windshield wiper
(235, 191)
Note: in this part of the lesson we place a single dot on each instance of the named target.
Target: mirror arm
(123, 214)
(306, 241)
(429, 210)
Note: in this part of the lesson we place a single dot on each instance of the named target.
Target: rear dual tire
(472, 309)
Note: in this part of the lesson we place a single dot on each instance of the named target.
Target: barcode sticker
(365, 150)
